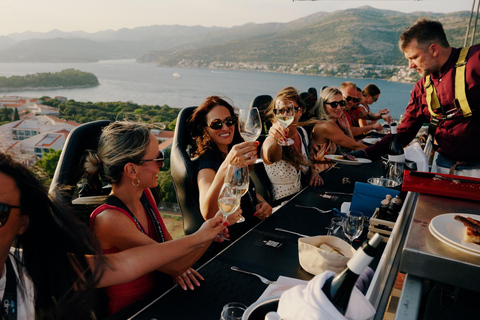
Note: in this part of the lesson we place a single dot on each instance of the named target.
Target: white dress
(285, 179)
(25, 296)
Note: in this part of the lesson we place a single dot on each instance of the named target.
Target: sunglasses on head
(159, 159)
(284, 111)
(335, 104)
(5, 212)
(217, 124)
(348, 98)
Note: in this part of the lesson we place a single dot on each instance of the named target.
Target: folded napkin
(310, 303)
(415, 153)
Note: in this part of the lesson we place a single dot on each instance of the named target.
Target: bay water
(126, 80)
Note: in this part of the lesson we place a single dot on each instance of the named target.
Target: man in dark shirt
(427, 50)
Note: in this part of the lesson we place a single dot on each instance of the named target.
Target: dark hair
(54, 246)
(371, 89)
(131, 138)
(425, 32)
(198, 125)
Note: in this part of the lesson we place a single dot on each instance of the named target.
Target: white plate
(451, 232)
(371, 140)
(340, 159)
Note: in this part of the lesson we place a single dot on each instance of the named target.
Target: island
(68, 78)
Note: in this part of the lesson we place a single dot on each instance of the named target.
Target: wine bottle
(338, 288)
(395, 152)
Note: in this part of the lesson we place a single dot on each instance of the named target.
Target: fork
(315, 208)
(264, 280)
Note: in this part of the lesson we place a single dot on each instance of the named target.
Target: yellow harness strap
(460, 92)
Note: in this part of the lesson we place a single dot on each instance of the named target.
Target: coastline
(46, 88)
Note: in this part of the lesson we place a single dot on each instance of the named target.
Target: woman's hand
(243, 153)
(188, 279)
(377, 126)
(278, 132)
(316, 180)
(343, 123)
(263, 210)
(234, 217)
(210, 228)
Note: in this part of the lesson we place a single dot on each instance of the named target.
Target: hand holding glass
(228, 203)
(238, 179)
(353, 225)
(285, 114)
(250, 124)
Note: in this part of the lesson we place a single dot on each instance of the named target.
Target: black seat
(70, 171)
(184, 173)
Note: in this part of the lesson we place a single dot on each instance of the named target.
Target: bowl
(383, 182)
(258, 310)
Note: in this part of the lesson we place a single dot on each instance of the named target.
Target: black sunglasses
(159, 160)
(335, 104)
(217, 124)
(283, 111)
(5, 212)
(348, 98)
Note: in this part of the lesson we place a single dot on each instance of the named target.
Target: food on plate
(330, 249)
(348, 157)
(472, 232)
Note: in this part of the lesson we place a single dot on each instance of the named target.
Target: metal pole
(469, 23)
(475, 25)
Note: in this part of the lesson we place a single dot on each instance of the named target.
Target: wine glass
(250, 124)
(285, 114)
(228, 203)
(353, 225)
(238, 179)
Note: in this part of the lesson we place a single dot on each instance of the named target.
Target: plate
(451, 232)
(340, 159)
(371, 140)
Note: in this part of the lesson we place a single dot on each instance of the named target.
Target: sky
(98, 15)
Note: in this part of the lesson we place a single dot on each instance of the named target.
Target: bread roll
(330, 249)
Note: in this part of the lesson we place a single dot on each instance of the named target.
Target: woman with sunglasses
(219, 143)
(50, 264)
(370, 94)
(287, 165)
(128, 157)
(330, 130)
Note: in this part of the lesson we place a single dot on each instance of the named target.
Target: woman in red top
(128, 157)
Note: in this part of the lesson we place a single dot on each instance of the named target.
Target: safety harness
(461, 104)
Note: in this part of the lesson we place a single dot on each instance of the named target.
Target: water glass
(336, 228)
(353, 225)
(233, 311)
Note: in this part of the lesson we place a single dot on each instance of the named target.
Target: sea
(148, 84)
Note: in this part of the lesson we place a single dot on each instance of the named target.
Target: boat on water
(176, 75)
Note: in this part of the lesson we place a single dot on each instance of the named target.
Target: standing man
(353, 113)
(448, 97)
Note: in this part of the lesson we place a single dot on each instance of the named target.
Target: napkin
(308, 302)
(415, 153)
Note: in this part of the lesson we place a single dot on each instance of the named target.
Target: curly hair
(198, 125)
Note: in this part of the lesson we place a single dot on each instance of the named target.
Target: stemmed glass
(237, 178)
(353, 225)
(250, 124)
(228, 203)
(285, 114)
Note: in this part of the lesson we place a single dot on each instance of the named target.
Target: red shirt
(352, 116)
(456, 137)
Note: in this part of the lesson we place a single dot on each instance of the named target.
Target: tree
(16, 116)
(49, 162)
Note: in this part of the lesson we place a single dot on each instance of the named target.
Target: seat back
(69, 169)
(184, 173)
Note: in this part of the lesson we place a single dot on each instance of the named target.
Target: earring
(138, 182)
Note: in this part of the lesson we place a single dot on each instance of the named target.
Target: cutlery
(339, 193)
(437, 176)
(315, 208)
(292, 232)
(263, 279)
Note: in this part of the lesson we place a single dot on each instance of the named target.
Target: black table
(249, 252)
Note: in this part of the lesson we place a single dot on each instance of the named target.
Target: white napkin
(310, 303)
(415, 153)
(282, 284)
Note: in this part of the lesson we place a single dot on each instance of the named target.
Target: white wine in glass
(250, 124)
(228, 202)
(237, 177)
(285, 114)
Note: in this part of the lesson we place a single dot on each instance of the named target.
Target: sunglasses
(335, 104)
(159, 160)
(217, 124)
(285, 111)
(348, 98)
(375, 99)
(5, 212)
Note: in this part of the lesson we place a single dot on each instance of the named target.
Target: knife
(338, 193)
(432, 175)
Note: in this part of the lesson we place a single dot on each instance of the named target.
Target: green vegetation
(67, 78)
(45, 167)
